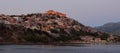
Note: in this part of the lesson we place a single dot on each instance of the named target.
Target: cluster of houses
(43, 21)
(49, 20)
(93, 40)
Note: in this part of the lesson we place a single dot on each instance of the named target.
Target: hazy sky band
(88, 12)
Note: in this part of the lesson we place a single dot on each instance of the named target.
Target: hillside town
(55, 24)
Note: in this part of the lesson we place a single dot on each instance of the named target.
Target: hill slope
(47, 27)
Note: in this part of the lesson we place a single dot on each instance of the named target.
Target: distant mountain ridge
(113, 28)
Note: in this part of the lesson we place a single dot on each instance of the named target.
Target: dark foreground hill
(48, 27)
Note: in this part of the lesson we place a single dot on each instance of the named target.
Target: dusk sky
(88, 12)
